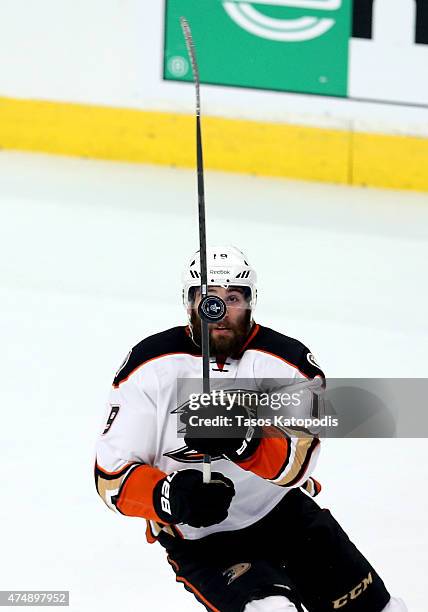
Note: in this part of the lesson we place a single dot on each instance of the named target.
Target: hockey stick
(202, 229)
(201, 201)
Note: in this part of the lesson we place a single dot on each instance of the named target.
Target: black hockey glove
(182, 497)
(219, 429)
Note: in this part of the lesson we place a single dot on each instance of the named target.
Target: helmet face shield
(235, 297)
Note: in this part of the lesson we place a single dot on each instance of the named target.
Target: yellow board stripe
(396, 162)
(255, 147)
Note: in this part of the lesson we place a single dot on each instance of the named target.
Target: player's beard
(223, 346)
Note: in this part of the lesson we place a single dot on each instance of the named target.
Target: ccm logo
(353, 593)
(166, 487)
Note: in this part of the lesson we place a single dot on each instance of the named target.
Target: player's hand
(183, 497)
(224, 427)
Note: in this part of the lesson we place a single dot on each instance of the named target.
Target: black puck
(212, 309)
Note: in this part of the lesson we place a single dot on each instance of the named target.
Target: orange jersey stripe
(190, 586)
(269, 457)
(153, 359)
(293, 365)
(117, 472)
(317, 485)
(197, 593)
(253, 333)
(173, 563)
(136, 493)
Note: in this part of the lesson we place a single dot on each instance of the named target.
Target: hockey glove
(223, 428)
(183, 497)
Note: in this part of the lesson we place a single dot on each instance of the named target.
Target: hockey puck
(212, 309)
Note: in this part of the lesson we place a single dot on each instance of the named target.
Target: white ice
(91, 256)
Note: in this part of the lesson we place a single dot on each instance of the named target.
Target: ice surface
(91, 262)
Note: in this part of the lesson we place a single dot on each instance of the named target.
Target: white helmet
(226, 266)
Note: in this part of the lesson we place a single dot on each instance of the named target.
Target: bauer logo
(284, 45)
(250, 18)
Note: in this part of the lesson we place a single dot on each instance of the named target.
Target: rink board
(247, 146)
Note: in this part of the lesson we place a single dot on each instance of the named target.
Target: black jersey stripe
(177, 340)
(99, 471)
(172, 341)
(286, 348)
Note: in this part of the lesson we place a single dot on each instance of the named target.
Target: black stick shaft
(202, 225)
(203, 255)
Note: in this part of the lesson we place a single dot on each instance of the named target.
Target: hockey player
(252, 540)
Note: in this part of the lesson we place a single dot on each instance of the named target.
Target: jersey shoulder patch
(170, 341)
(289, 349)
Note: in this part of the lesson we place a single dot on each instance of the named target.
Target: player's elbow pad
(286, 460)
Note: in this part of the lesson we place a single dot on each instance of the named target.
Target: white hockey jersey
(139, 442)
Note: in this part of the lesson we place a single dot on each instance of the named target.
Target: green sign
(286, 45)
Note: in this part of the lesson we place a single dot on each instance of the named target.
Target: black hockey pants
(298, 550)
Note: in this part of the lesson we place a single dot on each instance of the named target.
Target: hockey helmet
(227, 267)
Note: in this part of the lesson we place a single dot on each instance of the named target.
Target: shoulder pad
(168, 342)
